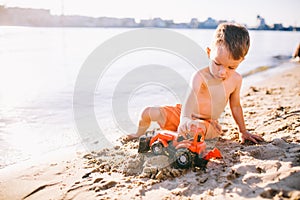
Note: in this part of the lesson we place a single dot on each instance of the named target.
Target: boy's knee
(151, 113)
(146, 113)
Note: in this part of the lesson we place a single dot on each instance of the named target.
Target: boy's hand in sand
(245, 135)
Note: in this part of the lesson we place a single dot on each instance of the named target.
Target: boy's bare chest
(221, 90)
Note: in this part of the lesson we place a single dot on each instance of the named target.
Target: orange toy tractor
(183, 153)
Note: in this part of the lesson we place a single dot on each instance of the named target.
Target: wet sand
(270, 169)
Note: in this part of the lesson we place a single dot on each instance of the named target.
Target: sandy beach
(270, 169)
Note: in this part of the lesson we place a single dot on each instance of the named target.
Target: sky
(274, 11)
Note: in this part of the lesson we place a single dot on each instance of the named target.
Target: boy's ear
(208, 50)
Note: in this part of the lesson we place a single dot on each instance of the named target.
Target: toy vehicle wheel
(144, 144)
(183, 158)
(200, 162)
(157, 148)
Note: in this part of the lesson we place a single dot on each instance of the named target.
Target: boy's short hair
(234, 37)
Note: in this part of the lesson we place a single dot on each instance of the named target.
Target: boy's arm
(237, 113)
(190, 105)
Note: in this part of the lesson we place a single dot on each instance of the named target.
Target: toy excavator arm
(215, 153)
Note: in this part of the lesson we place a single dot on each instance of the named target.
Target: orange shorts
(172, 116)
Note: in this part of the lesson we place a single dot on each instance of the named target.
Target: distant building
(179, 25)
(158, 22)
(23, 17)
(129, 22)
(210, 23)
(262, 23)
(194, 23)
(146, 23)
(169, 23)
(278, 27)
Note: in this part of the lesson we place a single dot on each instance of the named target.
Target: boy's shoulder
(201, 74)
(235, 80)
(237, 76)
(204, 72)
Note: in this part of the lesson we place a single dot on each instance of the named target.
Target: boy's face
(222, 64)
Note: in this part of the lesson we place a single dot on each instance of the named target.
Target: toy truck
(183, 153)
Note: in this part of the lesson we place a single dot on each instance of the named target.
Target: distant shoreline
(262, 73)
(281, 59)
(15, 16)
(138, 27)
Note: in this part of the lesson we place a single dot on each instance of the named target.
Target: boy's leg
(148, 115)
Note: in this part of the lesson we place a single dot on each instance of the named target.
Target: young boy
(211, 88)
